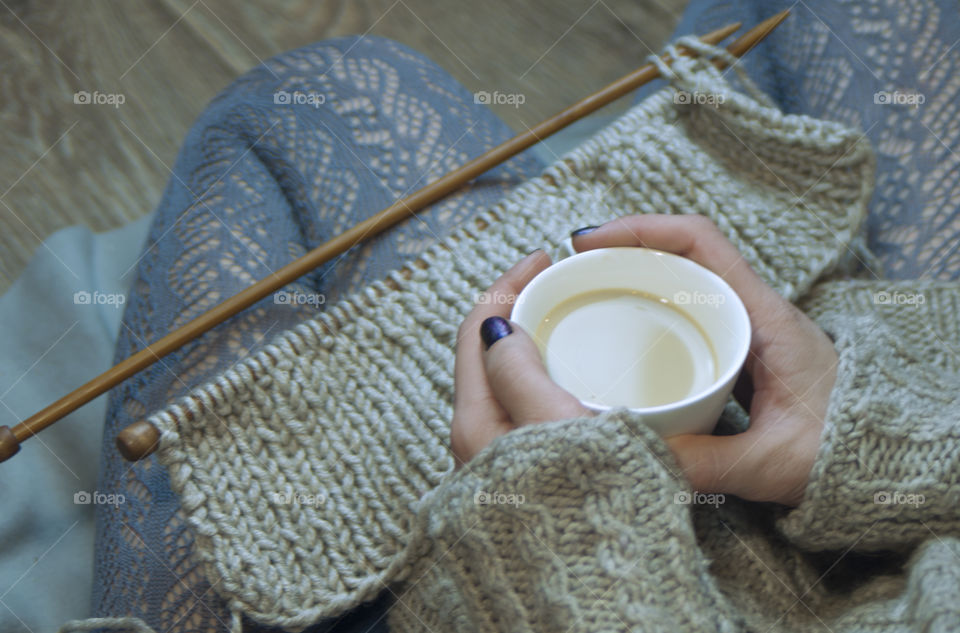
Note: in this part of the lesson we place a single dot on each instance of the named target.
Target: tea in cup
(639, 328)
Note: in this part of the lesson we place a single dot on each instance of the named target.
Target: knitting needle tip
(754, 36)
(774, 21)
(723, 33)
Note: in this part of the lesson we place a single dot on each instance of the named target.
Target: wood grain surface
(65, 163)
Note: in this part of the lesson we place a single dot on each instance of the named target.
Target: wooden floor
(64, 163)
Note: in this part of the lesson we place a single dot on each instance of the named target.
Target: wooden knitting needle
(140, 438)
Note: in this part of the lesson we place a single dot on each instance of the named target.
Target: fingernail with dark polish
(583, 231)
(493, 329)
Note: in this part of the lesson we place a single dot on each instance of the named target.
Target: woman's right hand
(791, 364)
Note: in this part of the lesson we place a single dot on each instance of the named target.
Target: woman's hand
(500, 381)
(791, 362)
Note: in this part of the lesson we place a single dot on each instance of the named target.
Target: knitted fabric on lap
(255, 185)
(300, 470)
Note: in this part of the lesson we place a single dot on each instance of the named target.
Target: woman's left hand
(499, 377)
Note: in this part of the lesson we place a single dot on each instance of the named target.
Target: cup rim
(730, 373)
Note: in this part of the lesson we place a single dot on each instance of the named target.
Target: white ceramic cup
(705, 298)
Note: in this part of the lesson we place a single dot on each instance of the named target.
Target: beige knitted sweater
(335, 480)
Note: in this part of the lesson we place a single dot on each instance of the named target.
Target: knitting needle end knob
(9, 444)
(138, 440)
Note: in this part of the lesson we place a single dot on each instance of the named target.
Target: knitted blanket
(317, 472)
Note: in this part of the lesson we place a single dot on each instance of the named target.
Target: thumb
(518, 379)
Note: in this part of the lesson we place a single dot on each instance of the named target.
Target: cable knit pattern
(316, 472)
(890, 453)
(585, 525)
(545, 526)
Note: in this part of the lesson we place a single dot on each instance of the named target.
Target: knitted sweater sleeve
(550, 526)
(887, 475)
